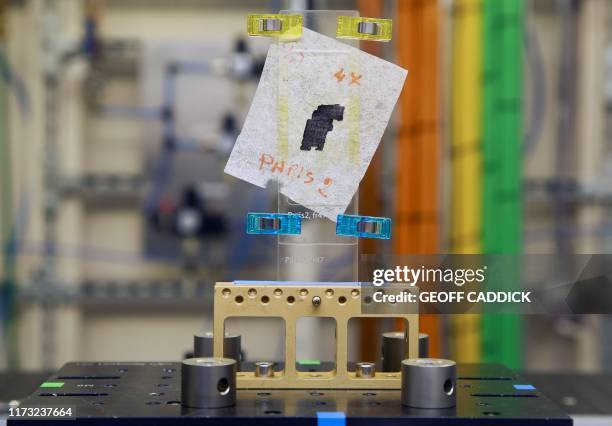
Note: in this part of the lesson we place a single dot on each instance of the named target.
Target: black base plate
(149, 393)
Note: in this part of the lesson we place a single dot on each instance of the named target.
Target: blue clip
(274, 224)
(364, 226)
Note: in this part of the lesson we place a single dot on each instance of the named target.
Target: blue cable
(15, 81)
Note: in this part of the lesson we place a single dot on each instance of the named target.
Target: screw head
(264, 369)
(316, 301)
(365, 369)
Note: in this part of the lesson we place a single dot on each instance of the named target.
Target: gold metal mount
(291, 301)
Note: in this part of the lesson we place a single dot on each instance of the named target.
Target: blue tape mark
(524, 387)
(331, 418)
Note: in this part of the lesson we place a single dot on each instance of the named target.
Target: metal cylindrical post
(203, 346)
(423, 345)
(208, 382)
(429, 383)
(394, 349)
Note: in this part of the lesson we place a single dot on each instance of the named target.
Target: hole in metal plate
(449, 387)
(223, 386)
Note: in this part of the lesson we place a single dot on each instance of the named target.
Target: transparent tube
(318, 254)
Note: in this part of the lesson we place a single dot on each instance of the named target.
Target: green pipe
(502, 163)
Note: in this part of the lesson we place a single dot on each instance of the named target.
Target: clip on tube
(364, 226)
(361, 28)
(286, 27)
(274, 224)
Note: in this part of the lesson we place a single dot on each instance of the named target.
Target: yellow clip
(364, 28)
(271, 25)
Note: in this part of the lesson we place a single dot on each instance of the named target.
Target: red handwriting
(327, 182)
(355, 77)
(340, 75)
(295, 171)
(293, 56)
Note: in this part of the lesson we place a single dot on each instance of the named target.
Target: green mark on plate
(52, 385)
(309, 362)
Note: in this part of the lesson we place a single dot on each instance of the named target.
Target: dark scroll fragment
(319, 125)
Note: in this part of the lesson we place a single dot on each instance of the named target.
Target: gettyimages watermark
(413, 276)
(487, 284)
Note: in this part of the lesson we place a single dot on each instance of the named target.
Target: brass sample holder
(291, 301)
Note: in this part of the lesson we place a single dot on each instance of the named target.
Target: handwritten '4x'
(354, 77)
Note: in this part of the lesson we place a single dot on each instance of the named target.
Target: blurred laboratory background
(117, 118)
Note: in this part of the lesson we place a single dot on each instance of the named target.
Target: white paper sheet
(358, 89)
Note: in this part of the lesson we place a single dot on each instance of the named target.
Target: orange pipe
(417, 221)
